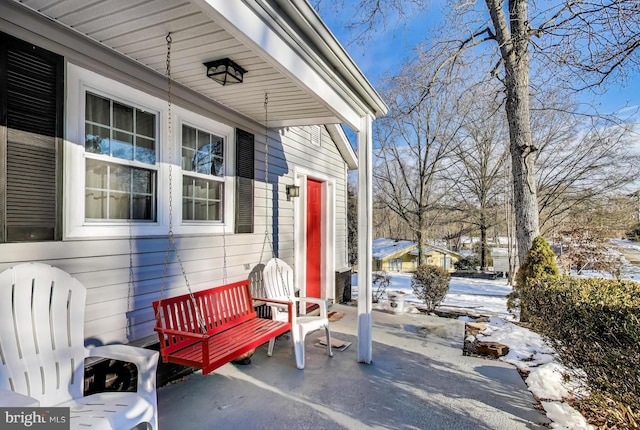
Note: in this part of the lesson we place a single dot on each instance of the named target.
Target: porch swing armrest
(145, 360)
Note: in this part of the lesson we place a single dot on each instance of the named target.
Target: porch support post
(365, 233)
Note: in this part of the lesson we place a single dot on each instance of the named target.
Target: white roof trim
(333, 52)
(344, 146)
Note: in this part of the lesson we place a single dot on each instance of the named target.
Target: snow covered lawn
(479, 295)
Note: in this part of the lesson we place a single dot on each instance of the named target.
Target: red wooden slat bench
(232, 326)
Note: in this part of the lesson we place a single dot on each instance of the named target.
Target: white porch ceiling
(137, 29)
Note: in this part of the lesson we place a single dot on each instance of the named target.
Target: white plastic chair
(42, 350)
(278, 284)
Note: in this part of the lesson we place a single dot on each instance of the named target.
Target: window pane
(200, 210)
(215, 191)
(215, 211)
(97, 109)
(187, 209)
(95, 204)
(120, 178)
(145, 124)
(122, 117)
(204, 139)
(217, 167)
(201, 189)
(96, 175)
(218, 146)
(97, 139)
(202, 162)
(188, 159)
(122, 145)
(142, 207)
(119, 205)
(188, 137)
(145, 150)
(186, 186)
(143, 181)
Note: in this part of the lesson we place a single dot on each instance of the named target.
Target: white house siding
(117, 311)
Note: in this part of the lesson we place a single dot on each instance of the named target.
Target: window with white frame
(117, 164)
(203, 174)
(120, 161)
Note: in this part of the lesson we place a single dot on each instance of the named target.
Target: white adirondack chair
(278, 284)
(42, 353)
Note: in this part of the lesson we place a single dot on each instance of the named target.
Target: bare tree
(415, 140)
(592, 40)
(581, 156)
(477, 173)
(583, 167)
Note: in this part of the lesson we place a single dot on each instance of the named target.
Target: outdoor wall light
(225, 71)
(293, 191)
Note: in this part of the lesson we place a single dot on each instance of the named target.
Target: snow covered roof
(384, 247)
(431, 248)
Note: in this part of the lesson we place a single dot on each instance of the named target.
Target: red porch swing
(209, 328)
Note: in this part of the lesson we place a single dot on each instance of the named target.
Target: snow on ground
(547, 379)
(527, 350)
(480, 295)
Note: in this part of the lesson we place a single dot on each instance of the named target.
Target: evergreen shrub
(430, 284)
(540, 263)
(595, 325)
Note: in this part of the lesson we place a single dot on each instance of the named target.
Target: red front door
(314, 237)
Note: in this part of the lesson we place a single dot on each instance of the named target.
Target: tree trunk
(514, 50)
(422, 238)
(483, 243)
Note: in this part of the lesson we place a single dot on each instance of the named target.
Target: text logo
(34, 418)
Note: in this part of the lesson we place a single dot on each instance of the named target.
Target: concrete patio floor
(419, 379)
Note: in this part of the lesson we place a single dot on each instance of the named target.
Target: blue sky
(388, 47)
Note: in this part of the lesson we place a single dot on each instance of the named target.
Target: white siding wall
(103, 266)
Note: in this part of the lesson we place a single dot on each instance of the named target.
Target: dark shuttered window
(245, 144)
(31, 117)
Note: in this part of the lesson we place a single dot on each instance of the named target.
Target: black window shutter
(245, 146)
(31, 110)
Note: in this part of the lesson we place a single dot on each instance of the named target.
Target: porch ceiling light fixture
(293, 191)
(224, 71)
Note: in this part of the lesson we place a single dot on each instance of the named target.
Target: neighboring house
(438, 256)
(391, 255)
(87, 134)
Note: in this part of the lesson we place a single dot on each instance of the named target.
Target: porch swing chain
(266, 181)
(171, 238)
(279, 270)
